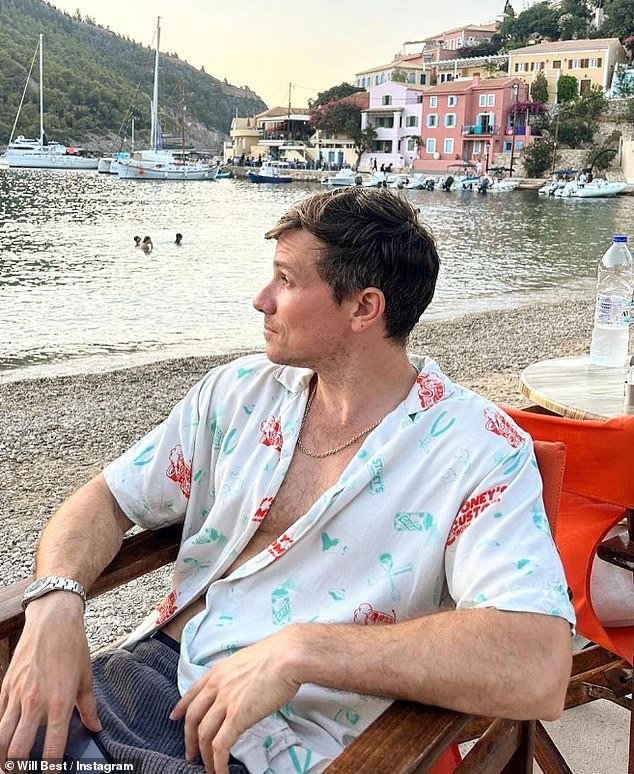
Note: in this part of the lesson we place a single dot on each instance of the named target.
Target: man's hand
(234, 695)
(49, 674)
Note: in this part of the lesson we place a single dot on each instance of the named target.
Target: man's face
(302, 323)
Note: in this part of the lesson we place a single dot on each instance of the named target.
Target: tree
(399, 76)
(567, 88)
(539, 157)
(619, 19)
(539, 88)
(344, 117)
(333, 94)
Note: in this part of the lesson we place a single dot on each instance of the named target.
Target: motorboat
(343, 177)
(42, 153)
(268, 174)
(503, 185)
(414, 182)
(158, 163)
(109, 165)
(597, 188)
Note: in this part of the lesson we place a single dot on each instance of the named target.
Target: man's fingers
(55, 738)
(221, 748)
(10, 719)
(182, 705)
(87, 708)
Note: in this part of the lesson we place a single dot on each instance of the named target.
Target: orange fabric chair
(598, 493)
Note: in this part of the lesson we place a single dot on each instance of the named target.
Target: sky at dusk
(312, 44)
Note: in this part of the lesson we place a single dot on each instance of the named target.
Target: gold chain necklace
(330, 452)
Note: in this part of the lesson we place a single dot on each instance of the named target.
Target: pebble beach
(59, 432)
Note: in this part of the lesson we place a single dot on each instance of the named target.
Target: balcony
(485, 130)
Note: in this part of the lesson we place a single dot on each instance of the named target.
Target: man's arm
(467, 660)
(50, 670)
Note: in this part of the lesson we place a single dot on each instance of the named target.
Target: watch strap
(49, 583)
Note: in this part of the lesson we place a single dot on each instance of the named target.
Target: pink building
(470, 121)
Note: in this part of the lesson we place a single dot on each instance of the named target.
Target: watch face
(34, 587)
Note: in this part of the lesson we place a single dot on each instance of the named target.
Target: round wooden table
(572, 387)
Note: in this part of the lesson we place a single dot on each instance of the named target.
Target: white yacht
(42, 153)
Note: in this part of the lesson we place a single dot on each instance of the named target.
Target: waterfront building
(472, 121)
(590, 61)
(395, 114)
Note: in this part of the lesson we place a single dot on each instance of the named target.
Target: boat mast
(41, 91)
(154, 123)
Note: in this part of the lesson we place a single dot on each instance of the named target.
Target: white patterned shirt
(441, 502)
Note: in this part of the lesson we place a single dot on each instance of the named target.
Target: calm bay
(77, 296)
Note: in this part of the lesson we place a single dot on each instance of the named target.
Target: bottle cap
(619, 238)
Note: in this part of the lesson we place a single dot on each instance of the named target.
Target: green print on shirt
(217, 433)
(377, 485)
(145, 456)
(242, 372)
(414, 521)
(280, 606)
(210, 535)
(391, 572)
(300, 768)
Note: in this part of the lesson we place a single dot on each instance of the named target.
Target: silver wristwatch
(42, 586)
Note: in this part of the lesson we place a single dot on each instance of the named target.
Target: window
(477, 146)
(521, 67)
(448, 146)
(433, 102)
(482, 100)
(419, 98)
(411, 121)
(412, 145)
(507, 146)
(387, 99)
(384, 122)
(595, 62)
(450, 119)
(432, 120)
(556, 64)
(490, 100)
(452, 101)
(411, 77)
(430, 145)
(423, 79)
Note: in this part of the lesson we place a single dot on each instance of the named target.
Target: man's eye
(283, 279)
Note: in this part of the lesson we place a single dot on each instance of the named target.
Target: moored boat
(343, 177)
(158, 163)
(596, 189)
(268, 174)
(24, 152)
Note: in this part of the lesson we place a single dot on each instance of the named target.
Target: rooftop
(584, 44)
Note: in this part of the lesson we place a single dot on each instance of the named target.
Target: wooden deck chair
(408, 737)
(598, 493)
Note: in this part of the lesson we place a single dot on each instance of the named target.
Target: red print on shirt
(166, 608)
(280, 546)
(263, 508)
(431, 388)
(471, 509)
(497, 423)
(271, 433)
(365, 614)
(179, 470)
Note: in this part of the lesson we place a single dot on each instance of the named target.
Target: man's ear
(369, 309)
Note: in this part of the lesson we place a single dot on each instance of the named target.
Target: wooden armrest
(140, 553)
(406, 737)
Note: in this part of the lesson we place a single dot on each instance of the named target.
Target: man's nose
(263, 301)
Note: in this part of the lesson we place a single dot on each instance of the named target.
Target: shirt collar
(431, 380)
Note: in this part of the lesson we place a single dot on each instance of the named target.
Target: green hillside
(94, 79)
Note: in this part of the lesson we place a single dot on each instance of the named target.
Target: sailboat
(158, 163)
(42, 153)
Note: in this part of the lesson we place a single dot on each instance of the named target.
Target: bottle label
(613, 311)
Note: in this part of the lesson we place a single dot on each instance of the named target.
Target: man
(334, 508)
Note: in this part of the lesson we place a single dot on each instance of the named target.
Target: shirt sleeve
(500, 552)
(152, 480)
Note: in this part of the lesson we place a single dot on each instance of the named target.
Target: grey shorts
(136, 690)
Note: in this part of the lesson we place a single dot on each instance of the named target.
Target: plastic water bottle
(615, 286)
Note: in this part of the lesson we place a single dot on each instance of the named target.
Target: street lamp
(516, 91)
